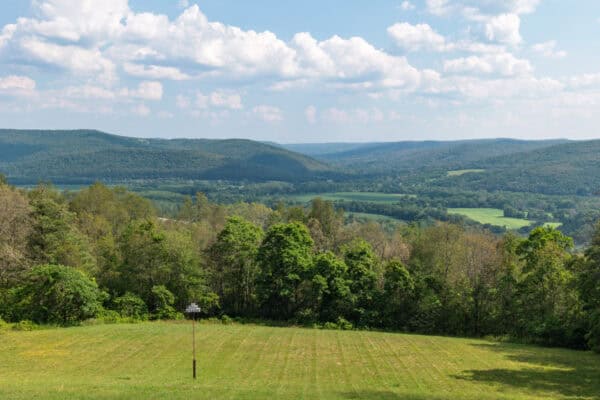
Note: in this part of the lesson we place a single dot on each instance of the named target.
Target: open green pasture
(153, 361)
(492, 216)
(554, 225)
(372, 197)
(460, 172)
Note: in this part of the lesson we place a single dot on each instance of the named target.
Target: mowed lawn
(153, 361)
(492, 216)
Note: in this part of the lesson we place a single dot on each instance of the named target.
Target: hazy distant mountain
(408, 155)
(86, 155)
(545, 166)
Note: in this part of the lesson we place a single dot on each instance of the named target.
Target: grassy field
(554, 225)
(372, 197)
(153, 361)
(492, 216)
(460, 172)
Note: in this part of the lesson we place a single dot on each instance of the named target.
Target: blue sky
(310, 71)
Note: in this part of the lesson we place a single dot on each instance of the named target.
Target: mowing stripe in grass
(153, 360)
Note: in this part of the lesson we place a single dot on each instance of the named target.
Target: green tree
(151, 256)
(548, 301)
(55, 238)
(116, 206)
(364, 277)
(162, 301)
(331, 287)
(15, 228)
(285, 260)
(329, 218)
(58, 294)
(398, 298)
(234, 268)
(589, 288)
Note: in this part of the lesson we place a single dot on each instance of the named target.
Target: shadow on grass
(544, 371)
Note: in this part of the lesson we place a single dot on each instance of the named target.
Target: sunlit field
(460, 172)
(492, 216)
(153, 361)
(372, 197)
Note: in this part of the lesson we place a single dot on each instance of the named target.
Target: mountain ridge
(88, 155)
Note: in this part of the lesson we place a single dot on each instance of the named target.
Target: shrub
(25, 325)
(163, 300)
(330, 325)
(132, 306)
(340, 324)
(109, 317)
(306, 317)
(344, 324)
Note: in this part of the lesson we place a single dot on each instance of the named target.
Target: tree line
(105, 253)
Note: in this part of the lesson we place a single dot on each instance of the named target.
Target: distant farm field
(492, 216)
(460, 172)
(153, 361)
(371, 197)
(554, 225)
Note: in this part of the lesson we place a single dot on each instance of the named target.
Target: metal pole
(194, 343)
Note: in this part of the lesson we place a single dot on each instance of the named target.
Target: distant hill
(564, 168)
(28, 156)
(545, 166)
(83, 156)
(325, 150)
(410, 155)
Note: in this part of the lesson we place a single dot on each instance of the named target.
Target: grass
(492, 216)
(554, 225)
(372, 197)
(153, 361)
(460, 172)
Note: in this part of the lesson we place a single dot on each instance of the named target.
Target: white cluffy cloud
(499, 20)
(504, 28)
(95, 42)
(15, 82)
(416, 37)
(504, 64)
(548, 49)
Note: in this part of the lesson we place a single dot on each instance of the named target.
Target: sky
(303, 71)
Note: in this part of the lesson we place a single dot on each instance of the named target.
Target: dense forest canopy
(105, 253)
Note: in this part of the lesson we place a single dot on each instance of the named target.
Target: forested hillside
(86, 156)
(555, 167)
(410, 155)
(566, 168)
